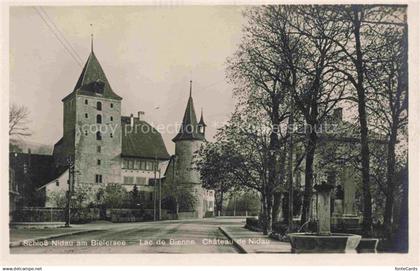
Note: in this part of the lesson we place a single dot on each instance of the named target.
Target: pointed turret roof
(201, 122)
(92, 78)
(189, 127)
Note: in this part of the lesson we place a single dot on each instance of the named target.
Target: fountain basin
(367, 245)
(332, 243)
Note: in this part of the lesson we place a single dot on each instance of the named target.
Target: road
(188, 236)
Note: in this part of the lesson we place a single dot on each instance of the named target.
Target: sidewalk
(247, 241)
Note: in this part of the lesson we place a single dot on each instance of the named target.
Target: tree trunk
(390, 176)
(401, 240)
(367, 197)
(220, 207)
(267, 214)
(273, 168)
(276, 208)
(263, 216)
(309, 161)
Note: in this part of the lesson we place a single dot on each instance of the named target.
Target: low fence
(136, 215)
(38, 215)
(44, 214)
(237, 213)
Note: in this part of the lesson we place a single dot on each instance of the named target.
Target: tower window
(98, 136)
(98, 149)
(98, 118)
(112, 105)
(86, 132)
(99, 106)
(86, 101)
(86, 115)
(99, 162)
(130, 164)
(57, 183)
(137, 164)
(110, 135)
(98, 178)
(111, 118)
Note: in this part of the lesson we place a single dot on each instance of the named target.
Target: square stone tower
(91, 128)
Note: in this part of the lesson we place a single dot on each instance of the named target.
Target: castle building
(100, 147)
(104, 146)
(189, 139)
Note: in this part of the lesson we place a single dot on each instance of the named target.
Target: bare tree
(356, 21)
(318, 88)
(263, 80)
(387, 78)
(18, 120)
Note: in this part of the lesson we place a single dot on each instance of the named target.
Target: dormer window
(99, 106)
(99, 86)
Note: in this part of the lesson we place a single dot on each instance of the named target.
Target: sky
(149, 54)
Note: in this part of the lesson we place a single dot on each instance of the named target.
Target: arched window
(98, 135)
(99, 106)
(98, 118)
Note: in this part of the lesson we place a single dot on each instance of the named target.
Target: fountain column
(324, 208)
(349, 193)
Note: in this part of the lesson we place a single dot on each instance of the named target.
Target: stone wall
(184, 151)
(66, 148)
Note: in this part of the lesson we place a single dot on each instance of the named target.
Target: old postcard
(210, 129)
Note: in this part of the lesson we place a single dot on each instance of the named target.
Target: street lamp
(70, 164)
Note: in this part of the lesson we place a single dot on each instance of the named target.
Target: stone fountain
(323, 241)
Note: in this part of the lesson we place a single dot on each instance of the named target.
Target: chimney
(131, 120)
(338, 114)
(141, 115)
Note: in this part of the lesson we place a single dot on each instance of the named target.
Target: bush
(84, 215)
(253, 224)
(209, 214)
(280, 228)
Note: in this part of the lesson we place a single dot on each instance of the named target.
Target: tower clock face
(99, 86)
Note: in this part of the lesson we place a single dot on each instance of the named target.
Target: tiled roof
(141, 140)
(93, 78)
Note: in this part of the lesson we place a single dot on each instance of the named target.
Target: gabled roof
(91, 78)
(189, 127)
(60, 171)
(141, 140)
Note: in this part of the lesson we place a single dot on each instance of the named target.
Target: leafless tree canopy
(18, 120)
